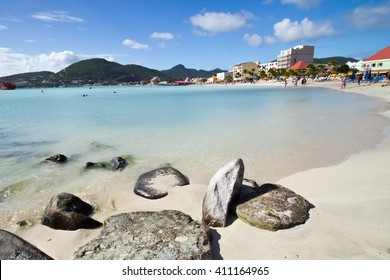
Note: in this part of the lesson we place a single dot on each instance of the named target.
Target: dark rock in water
(117, 163)
(24, 223)
(273, 207)
(156, 183)
(223, 190)
(59, 158)
(165, 235)
(68, 212)
(13, 247)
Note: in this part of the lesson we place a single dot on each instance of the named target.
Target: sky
(41, 35)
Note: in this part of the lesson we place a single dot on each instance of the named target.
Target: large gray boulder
(156, 183)
(68, 212)
(12, 247)
(223, 190)
(165, 235)
(273, 207)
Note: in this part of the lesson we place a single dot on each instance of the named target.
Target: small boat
(7, 86)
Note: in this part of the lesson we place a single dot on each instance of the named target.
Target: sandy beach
(351, 218)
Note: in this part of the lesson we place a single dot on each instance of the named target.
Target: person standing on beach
(360, 77)
(343, 82)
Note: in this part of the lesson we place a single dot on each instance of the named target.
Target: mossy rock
(13, 189)
(117, 163)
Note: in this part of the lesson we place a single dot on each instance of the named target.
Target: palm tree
(310, 70)
(245, 71)
(272, 73)
(333, 64)
(320, 68)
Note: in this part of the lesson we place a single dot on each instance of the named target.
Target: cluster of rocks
(268, 206)
(117, 163)
(168, 234)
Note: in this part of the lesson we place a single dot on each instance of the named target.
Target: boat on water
(7, 86)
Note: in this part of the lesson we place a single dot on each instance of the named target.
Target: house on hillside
(378, 63)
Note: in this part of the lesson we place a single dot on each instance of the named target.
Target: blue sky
(38, 35)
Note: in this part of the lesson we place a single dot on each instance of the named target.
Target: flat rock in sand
(13, 247)
(156, 183)
(273, 207)
(164, 235)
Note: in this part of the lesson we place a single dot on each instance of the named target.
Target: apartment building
(239, 69)
(288, 58)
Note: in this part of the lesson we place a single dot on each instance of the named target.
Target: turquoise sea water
(276, 131)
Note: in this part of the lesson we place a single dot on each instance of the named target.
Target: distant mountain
(341, 60)
(98, 70)
(181, 72)
(28, 79)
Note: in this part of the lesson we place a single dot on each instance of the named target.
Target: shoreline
(349, 221)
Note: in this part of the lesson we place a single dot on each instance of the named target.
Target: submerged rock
(117, 163)
(68, 212)
(223, 190)
(97, 146)
(58, 158)
(164, 235)
(273, 207)
(13, 189)
(156, 183)
(13, 247)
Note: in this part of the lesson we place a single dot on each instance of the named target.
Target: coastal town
(292, 65)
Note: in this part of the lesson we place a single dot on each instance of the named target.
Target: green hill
(181, 72)
(341, 60)
(99, 70)
(29, 79)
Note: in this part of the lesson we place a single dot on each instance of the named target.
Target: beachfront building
(378, 63)
(267, 66)
(240, 71)
(223, 76)
(288, 58)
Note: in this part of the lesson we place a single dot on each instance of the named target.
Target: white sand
(351, 218)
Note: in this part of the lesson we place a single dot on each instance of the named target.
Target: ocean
(277, 132)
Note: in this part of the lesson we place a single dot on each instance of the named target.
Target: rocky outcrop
(58, 158)
(273, 207)
(223, 189)
(156, 183)
(13, 247)
(68, 212)
(117, 163)
(165, 235)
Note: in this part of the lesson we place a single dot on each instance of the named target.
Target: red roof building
(378, 63)
(300, 65)
(381, 55)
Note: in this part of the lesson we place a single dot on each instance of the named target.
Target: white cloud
(367, 17)
(135, 45)
(13, 62)
(162, 36)
(286, 30)
(3, 27)
(30, 41)
(57, 16)
(211, 23)
(305, 4)
(270, 40)
(253, 40)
